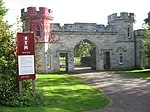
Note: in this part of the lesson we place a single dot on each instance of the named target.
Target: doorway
(63, 60)
(107, 60)
(85, 56)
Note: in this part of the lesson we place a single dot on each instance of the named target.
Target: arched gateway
(115, 44)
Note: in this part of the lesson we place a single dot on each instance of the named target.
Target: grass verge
(64, 94)
(143, 74)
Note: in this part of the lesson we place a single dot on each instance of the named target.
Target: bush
(27, 99)
(8, 68)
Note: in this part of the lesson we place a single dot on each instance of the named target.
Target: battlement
(122, 16)
(32, 11)
(82, 27)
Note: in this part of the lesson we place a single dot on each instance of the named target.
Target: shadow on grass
(64, 94)
(55, 80)
(77, 100)
(69, 94)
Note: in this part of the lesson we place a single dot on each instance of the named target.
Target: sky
(87, 11)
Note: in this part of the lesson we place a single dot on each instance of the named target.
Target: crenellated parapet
(37, 20)
(34, 13)
(82, 27)
(123, 16)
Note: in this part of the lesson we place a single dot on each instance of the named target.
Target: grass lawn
(143, 74)
(64, 94)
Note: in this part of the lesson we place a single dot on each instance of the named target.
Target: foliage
(3, 10)
(146, 43)
(25, 100)
(64, 93)
(147, 20)
(77, 61)
(146, 39)
(143, 74)
(82, 49)
(86, 51)
(8, 66)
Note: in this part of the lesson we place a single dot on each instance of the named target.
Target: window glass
(129, 32)
(120, 58)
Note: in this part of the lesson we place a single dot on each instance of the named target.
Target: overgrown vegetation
(146, 40)
(8, 69)
(64, 94)
(25, 100)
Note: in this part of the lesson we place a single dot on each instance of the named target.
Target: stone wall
(138, 47)
(82, 27)
(117, 38)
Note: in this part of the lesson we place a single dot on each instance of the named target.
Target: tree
(3, 10)
(8, 64)
(82, 49)
(86, 51)
(146, 39)
(8, 68)
(146, 46)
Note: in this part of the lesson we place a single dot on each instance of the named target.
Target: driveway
(126, 94)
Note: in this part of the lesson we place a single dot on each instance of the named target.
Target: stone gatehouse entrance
(106, 45)
(114, 46)
(64, 53)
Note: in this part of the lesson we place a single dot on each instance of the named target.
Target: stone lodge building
(117, 46)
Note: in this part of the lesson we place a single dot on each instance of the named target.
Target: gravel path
(127, 94)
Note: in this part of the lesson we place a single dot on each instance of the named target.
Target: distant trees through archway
(85, 55)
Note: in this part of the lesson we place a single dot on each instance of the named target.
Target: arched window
(120, 58)
(38, 31)
(129, 32)
(121, 51)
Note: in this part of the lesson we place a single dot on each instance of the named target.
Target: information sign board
(26, 56)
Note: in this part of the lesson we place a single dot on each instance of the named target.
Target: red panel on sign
(26, 77)
(25, 43)
(26, 58)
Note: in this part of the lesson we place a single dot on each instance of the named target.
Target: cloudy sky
(91, 11)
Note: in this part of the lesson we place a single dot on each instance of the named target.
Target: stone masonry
(117, 39)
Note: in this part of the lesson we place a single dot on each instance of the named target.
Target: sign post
(26, 59)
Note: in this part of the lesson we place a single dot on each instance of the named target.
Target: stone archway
(85, 55)
(67, 45)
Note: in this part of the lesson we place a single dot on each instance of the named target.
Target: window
(38, 31)
(120, 58)
(129, 32)
(48, 61)
(120, 52)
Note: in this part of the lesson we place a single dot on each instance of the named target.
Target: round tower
(38, 21)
